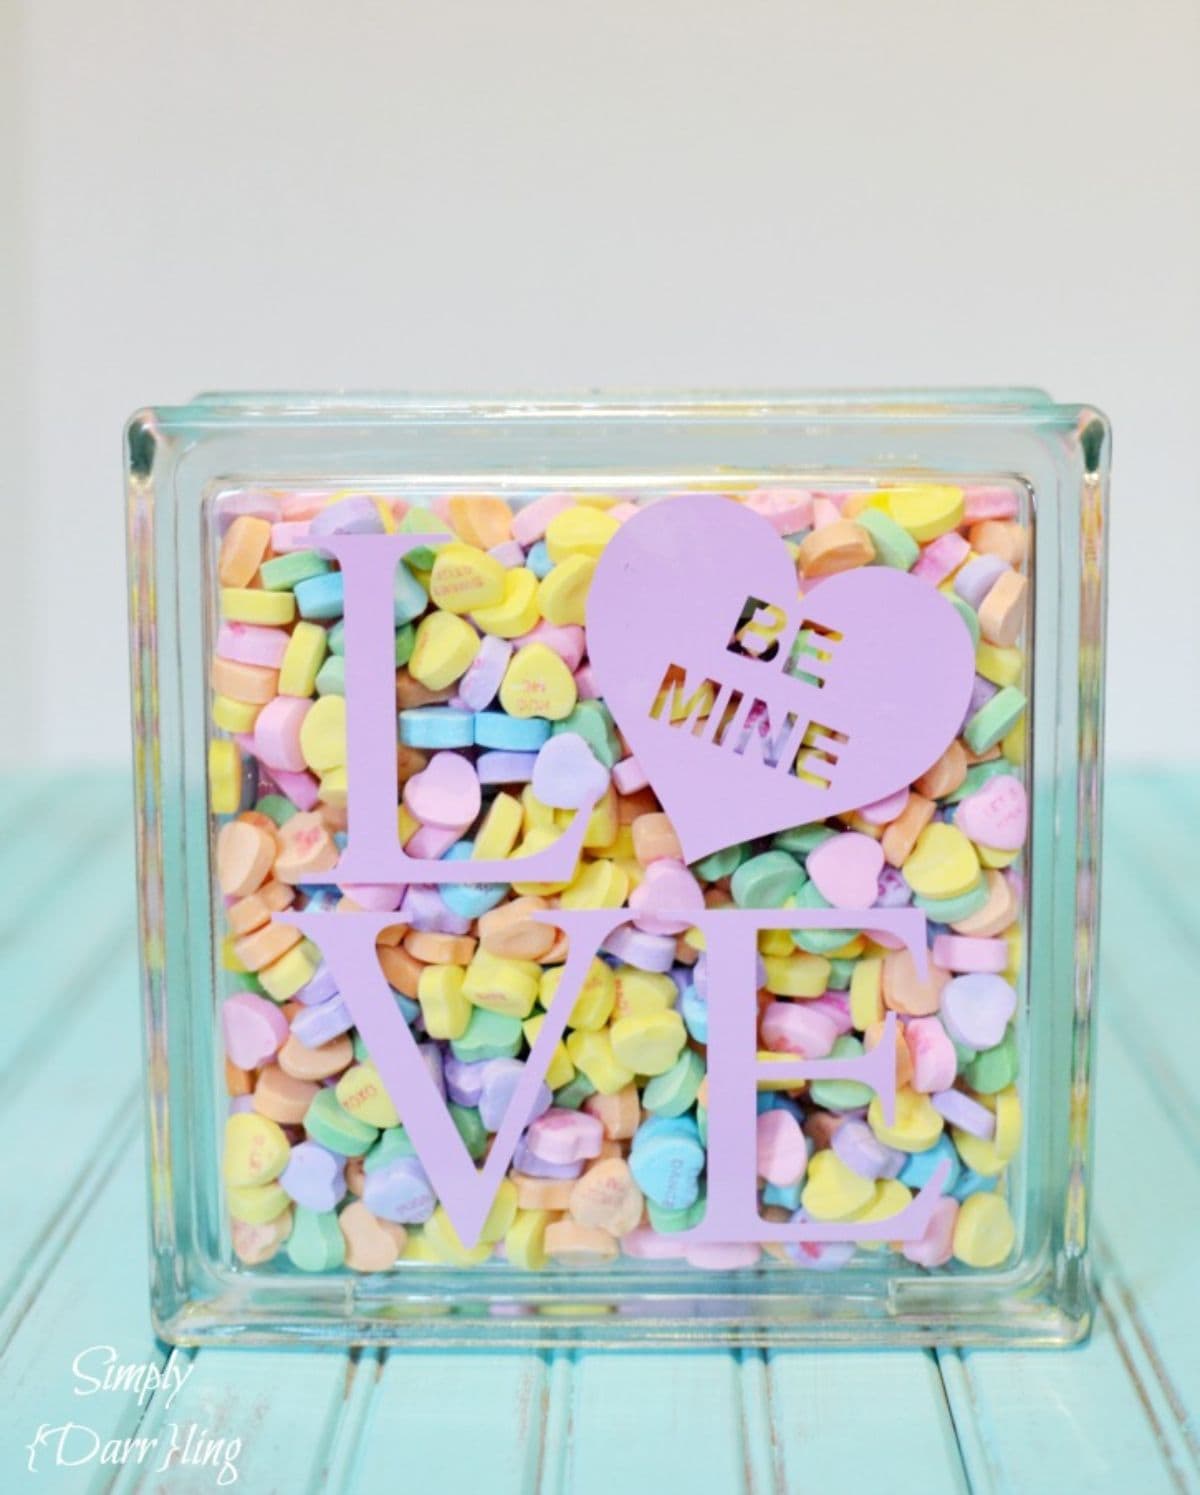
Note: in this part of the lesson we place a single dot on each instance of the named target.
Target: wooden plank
(47, 840)
(271, 1414)
(1148, 1209)
(819, 1411)
(76, 1082)
(96, 1296)
(1055, 1421)
(62, 942)
(472, 1417)
(656, 1420)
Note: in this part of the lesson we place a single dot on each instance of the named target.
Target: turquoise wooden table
(1121, 1413)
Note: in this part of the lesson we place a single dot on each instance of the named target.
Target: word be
(723, 715)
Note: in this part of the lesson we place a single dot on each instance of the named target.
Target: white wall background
(482, 194)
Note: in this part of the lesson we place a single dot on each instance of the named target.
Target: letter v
(348, 945)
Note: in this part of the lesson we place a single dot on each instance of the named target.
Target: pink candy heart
(567, 774)
(562, 1137)
(445, 793)
(845, 870)
(254, 1029)
(997, 815)
(667, 887)
(873, 697)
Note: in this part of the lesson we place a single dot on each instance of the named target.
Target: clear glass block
(730, 1025)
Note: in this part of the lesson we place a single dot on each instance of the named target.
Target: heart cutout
(896, 669)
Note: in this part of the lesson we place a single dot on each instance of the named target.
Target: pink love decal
(750, 708)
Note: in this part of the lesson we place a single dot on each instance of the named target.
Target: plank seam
(980, 1473)
(25, 1286)
(35, 1042)
(1125, 1319)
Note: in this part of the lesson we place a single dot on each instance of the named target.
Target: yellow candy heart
(465, 579)
(560, 1071)
(943, 864)
(256, 1150)
(890, 1198)
(797, 975)
(538, 683)
(234, 716)
(256, 1204)
(579, 531)
(502, 1213)
(446, 1244)
(601, 884)
(978, 1153)
(303, 657)
(563, 592)
(1001, 666)
(835, 1192)
(984, 1232)
(925, 512)
(592, 1053)
(596, 1000)
(916, 1126)
(361, 1094)
(640, 992)
(525, 1242)
(517, 611)
(649, 1043)
(443, 650)
(866, 993)
(249, 605)
(323, 734)
(1007, 1106)
(284, 977)
(499, 985)
(224, 777)
(445, 1010)
(500, 830)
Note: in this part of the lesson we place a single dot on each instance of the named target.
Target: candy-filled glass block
(619, 871)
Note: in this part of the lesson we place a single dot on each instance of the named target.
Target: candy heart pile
(503, 738)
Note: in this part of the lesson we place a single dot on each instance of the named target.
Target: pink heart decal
(854, 692)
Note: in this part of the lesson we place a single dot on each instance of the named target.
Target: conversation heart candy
(446, 794)
(976, 1009)
(846, 870)
(254, 1029)
(372, 1244)
(996, 815)
(567, 775)
(400, 1191)
(256, 1150)
(314, 1177)
(667, 899)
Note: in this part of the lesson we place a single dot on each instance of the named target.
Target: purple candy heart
(861, 1151)
(318, 1024)
(965, 1113)
(400, 1191)
(499, 1080)
(567, 774)
(977, 578)
(464, 1079)
(976, 1009)
(314, 1178)
(354, 515)
(525, 1161)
